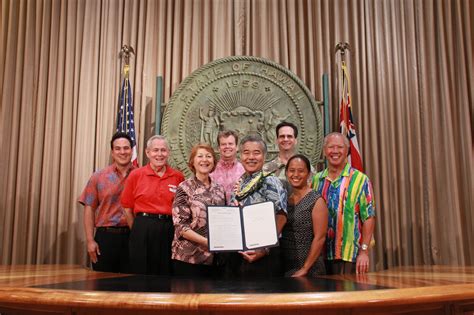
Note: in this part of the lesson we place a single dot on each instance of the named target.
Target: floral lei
(252, 186)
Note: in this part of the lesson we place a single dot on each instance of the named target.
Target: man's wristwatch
(364, 247)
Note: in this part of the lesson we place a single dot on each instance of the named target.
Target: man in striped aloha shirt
(349, 198)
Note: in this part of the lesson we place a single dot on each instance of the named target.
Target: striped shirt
(349, 199)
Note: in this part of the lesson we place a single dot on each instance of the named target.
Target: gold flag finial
(125, 53)
(342, 47)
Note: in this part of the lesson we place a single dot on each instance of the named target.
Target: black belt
(114, 229)
(154, 215)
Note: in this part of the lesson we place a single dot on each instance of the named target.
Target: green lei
(252, 186)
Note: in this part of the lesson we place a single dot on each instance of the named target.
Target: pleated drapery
(411, 66)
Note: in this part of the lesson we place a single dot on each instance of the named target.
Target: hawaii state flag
(125, 121)
(347, 126)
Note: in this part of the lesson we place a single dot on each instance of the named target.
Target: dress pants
(113, 247)
(340, 267)
(150, 245)
(266, 267)
(192, 271)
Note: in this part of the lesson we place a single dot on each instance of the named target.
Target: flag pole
(346, 120)
(125, 119)
(341, 48)
(125, 54)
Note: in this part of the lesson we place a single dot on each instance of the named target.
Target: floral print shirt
(189, 213)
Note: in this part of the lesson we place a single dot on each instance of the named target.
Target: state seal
(245, 94)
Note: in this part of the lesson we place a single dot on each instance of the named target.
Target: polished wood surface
(408, 290)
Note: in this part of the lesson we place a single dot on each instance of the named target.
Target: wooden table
(70, 289)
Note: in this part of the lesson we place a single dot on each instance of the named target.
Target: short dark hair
(254, 138)
(225, 134)
(118, 135)
(287, 124)
(299, 156)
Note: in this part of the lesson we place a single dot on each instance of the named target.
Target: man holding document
(262, 200)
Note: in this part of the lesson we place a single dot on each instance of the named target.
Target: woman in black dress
(304, 234)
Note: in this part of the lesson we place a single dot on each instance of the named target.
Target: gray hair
(336, 134)
(254, 138)
(157, 137)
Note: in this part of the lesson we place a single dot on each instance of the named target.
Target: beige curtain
(411, 66)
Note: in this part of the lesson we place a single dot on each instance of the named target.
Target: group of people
(150, 220)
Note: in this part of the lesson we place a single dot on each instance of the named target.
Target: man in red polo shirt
(147, 198)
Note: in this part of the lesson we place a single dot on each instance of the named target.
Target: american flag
(347, 126)
(125, 121)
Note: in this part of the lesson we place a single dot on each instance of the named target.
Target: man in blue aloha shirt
(256, 186)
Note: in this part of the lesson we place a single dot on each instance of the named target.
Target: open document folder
(233, 228)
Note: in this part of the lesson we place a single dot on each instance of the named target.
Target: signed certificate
(241, 228)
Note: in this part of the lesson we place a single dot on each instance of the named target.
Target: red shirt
(102, 194)
(147, 192)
